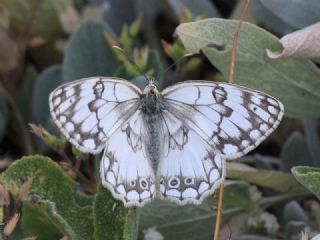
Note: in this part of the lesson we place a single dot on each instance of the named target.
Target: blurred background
(45, 43)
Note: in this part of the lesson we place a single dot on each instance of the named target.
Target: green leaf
(194, 222)
(25, 93)
(298, 14)
(88, 53)
(4, 115)
(111, 219)
(196, 7)
(275, 180)
(313, 141)
(37, 219)
(48, 80)
(294, 82)
(268, 19)
(121, 13)
(153, 65)
(52, 185)
(308, 177)
(294, 152)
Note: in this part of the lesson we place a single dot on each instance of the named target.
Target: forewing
(231, 119)
(125, 169)
(89, 110)
(190, 170)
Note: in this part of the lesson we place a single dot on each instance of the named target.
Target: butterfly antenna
(131, 61)
(177, 61)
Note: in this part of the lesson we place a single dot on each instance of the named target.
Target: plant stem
(219, 211)
(231, 78)
(235, 41)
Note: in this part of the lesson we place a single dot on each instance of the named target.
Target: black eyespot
(188, 180)
(133, 183)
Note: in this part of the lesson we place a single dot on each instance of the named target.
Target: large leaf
(111, 219)
(275, 180)
(309, 177)
(298, 14)
(58, 200)
(294, 82)
(47, 82)
(88, 53)
(38, 220)
(117, 13)
(25, 92)
(194, 222)
(268, 18)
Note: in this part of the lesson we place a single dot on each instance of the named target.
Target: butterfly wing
(190, 170)
(125, 169)
(89, 110)
(231, 119)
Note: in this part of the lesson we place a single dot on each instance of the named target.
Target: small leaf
(300, 44)
(294, 82)
(308, 177)
(195, 7)
(278, 181)
(294, 152)
(48, 80)
(88, 53)
(12, 223)
(116, 13)
(136, 25)
(313, 141)
(294, 212)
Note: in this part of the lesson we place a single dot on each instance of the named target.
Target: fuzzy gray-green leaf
(294, 82)
(88, 53)
(308, 177)
(47, 82)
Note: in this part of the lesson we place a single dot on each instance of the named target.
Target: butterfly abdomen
(151, 108)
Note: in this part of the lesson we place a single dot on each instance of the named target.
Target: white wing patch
(88, 111)
(231, 119)
(125, 169)
(190, 173)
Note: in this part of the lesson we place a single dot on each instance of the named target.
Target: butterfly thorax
(151, 107)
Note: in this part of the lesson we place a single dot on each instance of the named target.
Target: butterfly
(170, 144)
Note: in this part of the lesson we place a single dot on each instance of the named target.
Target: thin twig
(218, 217)
(231, 78)
(235, 41)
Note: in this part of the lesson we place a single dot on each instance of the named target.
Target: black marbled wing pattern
(231, 119)
(190, 169)
(124, 169)
(88, 111)
(173, 144)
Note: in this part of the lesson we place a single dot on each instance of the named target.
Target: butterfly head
(151, 88)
